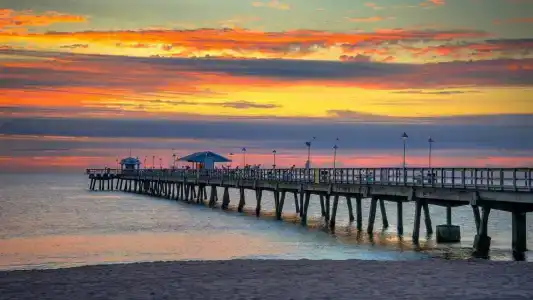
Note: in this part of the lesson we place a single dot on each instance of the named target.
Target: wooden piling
(302, 203)
(334, 213)
(416, 225)
(328, 207)
(359, 212)
(296, 203)
(519, 239)
(427, 218)
(372, 215)
(350, 210)
(225, 198)
(477, 216)
(322, 206)
(399, 226)
(383, 213)
(258, 196)
(280, 205)
(242, 200)
(304, 208)
(212, 200)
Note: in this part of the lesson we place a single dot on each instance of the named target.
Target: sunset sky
(82, 82)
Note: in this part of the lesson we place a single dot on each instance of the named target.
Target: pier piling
(519, 235)
(242, 200)
(399, 212)
(350, 210)
(482, 240)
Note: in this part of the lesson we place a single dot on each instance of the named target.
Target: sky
(83, 83)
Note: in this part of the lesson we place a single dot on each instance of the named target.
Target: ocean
(54, 221)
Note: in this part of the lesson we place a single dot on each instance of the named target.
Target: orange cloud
(237, 42)
(11, 20)
(275, 4)
(368, 19)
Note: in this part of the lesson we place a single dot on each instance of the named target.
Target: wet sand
(277, 279)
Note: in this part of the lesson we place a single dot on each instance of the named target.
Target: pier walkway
(481, 188)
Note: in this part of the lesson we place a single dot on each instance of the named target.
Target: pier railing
(504, 179)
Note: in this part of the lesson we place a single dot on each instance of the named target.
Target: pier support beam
(322, 206)
(427, 218)
(213, 196)
(448, 233)
(359, 212)
(416, 225)
(281, 202)
(242, 200)
(225, 198)
(296, 203)
(482, 240)
(334, 213)
(305, 208)
(258, 197)
(399, 225)
(350, 210)
(372, 215)
(519, 235)
(383, 213)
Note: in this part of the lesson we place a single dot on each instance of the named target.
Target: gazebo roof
(130, 161)
(199, 157)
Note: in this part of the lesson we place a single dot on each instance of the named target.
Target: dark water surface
(53, 221)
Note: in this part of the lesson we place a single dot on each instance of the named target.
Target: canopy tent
(205, 159)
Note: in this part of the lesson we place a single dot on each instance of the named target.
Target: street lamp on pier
(404, 138)
(335, 154)
(274, 153)
(430, 141)
(173, 161)
(308, 144)
(153, 162)
(244, 157)
(160, 163)
(231, 159)
(144, 162)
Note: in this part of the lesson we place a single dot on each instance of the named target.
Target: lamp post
(404, 138)
(308, 144)
(160, 163)
(117, 163)
(173, 161)
(335, 154)
(153, 161)
(144, 162)
(430, 141)
(231, 159)
(274, 153)
(244, 157)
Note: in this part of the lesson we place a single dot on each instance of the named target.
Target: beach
(276, 279)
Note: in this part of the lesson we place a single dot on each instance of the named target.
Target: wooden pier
(483, 189)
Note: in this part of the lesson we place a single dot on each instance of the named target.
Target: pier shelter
(130, 163)
(205, 159)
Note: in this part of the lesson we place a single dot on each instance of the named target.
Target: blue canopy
(200, 157)
(130, 161)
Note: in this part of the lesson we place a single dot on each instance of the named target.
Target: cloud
(356, 58)
(366, 20)
(244, 43)
(14, 21)
(74, 46)
(275, 4)
(437, 92)
(114, 76)
(467, 132)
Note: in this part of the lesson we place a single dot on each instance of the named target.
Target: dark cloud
(149, 74)
(469, 132)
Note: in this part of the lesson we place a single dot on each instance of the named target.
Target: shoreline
(281, 279)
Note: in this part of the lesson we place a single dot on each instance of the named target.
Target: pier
(484, 189)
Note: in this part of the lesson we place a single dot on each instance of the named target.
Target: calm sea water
(53, 221)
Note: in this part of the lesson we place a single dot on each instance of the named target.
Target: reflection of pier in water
(503, 189)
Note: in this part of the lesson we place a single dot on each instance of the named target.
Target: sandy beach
(276, 279)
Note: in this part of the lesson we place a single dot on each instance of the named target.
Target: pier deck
(488, 188)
